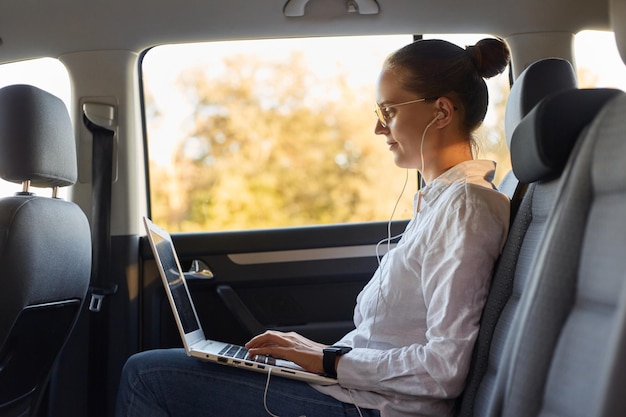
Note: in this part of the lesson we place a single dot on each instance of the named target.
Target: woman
(417, 319)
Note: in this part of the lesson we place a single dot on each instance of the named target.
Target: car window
(598, 60)
(279, 133)
(48, 74)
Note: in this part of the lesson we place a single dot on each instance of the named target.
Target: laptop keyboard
(240, 352)
(234, 351)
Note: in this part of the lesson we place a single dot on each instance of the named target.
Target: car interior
(246, 130)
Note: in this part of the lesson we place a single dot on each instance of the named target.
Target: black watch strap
(329, 360)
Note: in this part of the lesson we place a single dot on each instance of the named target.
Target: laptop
(189, 326)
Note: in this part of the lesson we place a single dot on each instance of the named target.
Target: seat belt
(101, 183)
(101, 285)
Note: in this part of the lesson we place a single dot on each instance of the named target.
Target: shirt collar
(480, 172)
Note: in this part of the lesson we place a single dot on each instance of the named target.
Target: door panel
(296, 279)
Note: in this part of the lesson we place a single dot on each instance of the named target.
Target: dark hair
(434, 68)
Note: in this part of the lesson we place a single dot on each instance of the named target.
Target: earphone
(440, 115)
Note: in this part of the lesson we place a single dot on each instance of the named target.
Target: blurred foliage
(271, 144)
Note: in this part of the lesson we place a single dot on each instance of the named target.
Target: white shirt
(417, 319)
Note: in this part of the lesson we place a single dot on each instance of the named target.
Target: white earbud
(440, 115)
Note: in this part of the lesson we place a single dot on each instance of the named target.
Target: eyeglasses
(383, 111)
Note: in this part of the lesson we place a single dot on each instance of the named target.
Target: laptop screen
(167, 259)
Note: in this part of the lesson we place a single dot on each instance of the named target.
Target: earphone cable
(389, 238)
(393, 212)
(267, 385)
(358, 409)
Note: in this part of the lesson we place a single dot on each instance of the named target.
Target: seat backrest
(536, 82)
(540, 148)
(45, 245)
(567, 353)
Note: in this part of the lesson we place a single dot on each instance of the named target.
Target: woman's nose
(379, 129)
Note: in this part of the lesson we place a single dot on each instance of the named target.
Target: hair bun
(490, 56)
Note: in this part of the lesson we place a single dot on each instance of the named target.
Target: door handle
(199, 270)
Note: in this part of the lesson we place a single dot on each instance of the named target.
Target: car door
(242, 283)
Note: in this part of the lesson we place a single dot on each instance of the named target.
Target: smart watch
(331, 354)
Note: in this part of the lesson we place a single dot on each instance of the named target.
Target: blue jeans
(162, 383)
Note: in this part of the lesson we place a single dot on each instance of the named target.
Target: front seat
(45, 245)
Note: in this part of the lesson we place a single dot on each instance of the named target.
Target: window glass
(598, 61)
(45, 73)
(279, 133)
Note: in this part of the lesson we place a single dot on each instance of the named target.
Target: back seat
(529, 211)
(540, 147)
(567, 351)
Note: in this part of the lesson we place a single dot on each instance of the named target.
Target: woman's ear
(445, 109)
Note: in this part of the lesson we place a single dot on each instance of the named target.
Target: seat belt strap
(102, 176)
(101, 182)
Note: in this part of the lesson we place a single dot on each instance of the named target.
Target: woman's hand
(289, 346)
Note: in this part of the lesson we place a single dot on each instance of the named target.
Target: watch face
(338, 349)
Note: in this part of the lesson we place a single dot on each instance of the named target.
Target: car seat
(45, 245)
(540, 147)
(566, 353)
(528, 215)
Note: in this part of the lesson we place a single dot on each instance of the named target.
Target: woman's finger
(268, 338)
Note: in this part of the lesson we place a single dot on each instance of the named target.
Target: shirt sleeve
(456, 273)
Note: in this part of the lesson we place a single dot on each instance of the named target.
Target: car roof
(32, 28)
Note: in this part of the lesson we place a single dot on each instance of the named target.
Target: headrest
(36, 138)
(537, 81)
(617, 12)
(544, 139)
